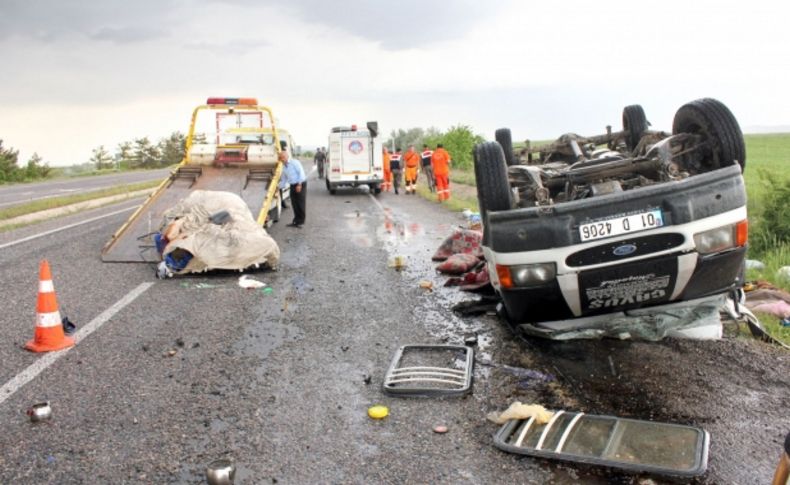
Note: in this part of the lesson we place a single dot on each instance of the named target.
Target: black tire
(377, 189)
(493, 188)
(634, 125)
(329, 187)
(505, 139)
(718, 127)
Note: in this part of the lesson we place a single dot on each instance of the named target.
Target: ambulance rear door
(356, 152)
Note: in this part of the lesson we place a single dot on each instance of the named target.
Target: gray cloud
(126, 35)
(113, 20)
(237, 47)
(395, 25)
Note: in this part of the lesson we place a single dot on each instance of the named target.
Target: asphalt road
(20, 193)
(280, 383)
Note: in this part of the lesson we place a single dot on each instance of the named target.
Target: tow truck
(232, 145)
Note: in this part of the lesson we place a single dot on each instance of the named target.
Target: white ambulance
(354, 158)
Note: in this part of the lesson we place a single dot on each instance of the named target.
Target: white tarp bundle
(236, 243)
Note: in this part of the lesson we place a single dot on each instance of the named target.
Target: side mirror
(373, 127)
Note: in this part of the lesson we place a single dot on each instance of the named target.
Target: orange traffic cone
(49, 328)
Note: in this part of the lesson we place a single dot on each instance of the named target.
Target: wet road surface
(196, 368)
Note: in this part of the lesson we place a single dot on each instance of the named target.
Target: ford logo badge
(624, 250)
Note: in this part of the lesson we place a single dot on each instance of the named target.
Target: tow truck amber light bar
(233, 101)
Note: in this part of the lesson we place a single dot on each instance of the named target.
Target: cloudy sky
(77, 73)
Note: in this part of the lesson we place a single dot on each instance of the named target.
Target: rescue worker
(396, 168)
(441, 171)
(320, 160)
(385, 159)
(294, 179)
(425, 159)
(411, 162)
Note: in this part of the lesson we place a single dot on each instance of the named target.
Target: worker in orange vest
(385, 159)
(412, 162)
(441, 172)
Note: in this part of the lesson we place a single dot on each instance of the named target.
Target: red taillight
(353, 127)
(503, 272)
(742, 233)
(335, 169)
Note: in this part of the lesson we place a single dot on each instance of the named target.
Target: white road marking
(53, 231)
(372, 197)
(37, 367)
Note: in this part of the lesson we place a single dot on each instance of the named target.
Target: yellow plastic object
(378, 412)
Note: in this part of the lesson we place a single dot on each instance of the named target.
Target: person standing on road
(294, 179)
(396, 169)
(320, 159)
(441, 171)
(411, 162)
(427, 169)
(385, 159)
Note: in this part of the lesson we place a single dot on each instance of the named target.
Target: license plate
(621, 225)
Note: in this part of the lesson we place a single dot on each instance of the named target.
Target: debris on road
(440, 429)
(398, 263)
(430, 370)
(68, 327)
(458, 264)
(517, 410)
(220, 472)
(471, 308)
(426, 285)
(378, 412)
(628, 444)
(461, 241)
(250, 283)
(528, 377)
(40, 412)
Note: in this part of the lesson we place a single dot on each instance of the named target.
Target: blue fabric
(161, 242)
(293, 174)
(178, 264)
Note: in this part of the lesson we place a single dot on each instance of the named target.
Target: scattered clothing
(461, 241)
(458, 264)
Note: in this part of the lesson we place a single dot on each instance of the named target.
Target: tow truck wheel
(719, 129)
(505, 139)
(376, 189)
(634, 125)
(493, 188)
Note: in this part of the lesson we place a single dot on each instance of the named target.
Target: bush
(773, 227)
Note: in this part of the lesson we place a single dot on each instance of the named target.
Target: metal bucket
(40, 412)
(220, 472)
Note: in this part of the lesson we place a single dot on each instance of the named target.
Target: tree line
(459, 141)
(10, 171)
(141, 153)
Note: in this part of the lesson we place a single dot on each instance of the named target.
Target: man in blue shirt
(294, 179)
